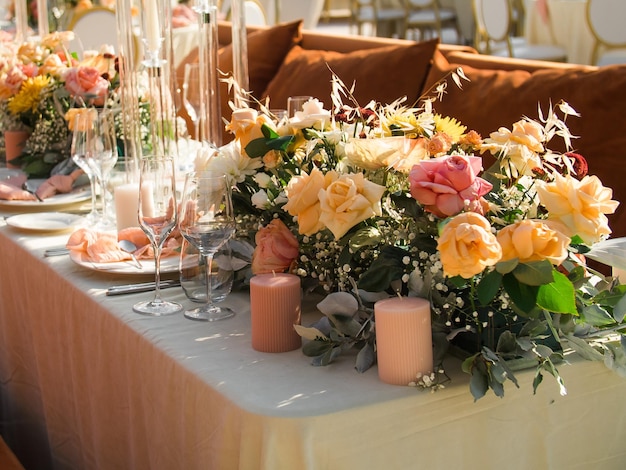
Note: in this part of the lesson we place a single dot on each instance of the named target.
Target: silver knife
(142, 287)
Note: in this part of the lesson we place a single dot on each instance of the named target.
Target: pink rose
(11, 82)
(447, 185)
(276, 248)
(86, 82)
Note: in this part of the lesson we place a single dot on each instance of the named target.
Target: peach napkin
(102, 247)
(11, 189)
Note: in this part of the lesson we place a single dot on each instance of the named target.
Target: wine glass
(191, 95)
(81, 153)
(58, 10)
(157, 217)
(207, 222)
(103, 160)
(295, 104)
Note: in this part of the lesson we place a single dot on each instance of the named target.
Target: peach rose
(467, 246)
(521, 146)
(276, 248)
(87, 83)
(348, 200)
(303, 200)
(579, 205)
(87, 115)
(533, 240)
(11, 82)
(447, 185)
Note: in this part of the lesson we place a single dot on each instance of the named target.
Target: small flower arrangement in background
(377, 200)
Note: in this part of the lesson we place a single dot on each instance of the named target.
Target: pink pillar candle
(275, 305)
(403, 339)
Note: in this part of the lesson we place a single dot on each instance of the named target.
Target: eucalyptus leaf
(619, 311)
(365, 358)
(595, 315)
(543, 351)
(346, 325)
(479, 384)
(584, 349)
(386, 268)
(506, 342)
(316, 348)
(310, 333)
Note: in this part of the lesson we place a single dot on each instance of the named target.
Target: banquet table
(565, 26)
(85, 383)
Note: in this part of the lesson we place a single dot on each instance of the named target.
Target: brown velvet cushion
(496, 98)
(382, 74)
(266, 50)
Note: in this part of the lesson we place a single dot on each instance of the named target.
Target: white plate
(79, 194)
(168, 265)
(44, 221)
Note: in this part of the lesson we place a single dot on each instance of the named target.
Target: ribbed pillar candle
(403, 339)
(275, 306)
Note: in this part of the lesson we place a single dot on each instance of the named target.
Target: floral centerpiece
(365, 202)
(42, 85)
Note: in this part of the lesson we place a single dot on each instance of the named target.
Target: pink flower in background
(276, 248)
(447, 185)
(87, 83)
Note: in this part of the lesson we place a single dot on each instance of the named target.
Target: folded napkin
(11, 188)
(103, 247)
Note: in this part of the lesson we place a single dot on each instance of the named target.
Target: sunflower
(449, 126)
(29, 96)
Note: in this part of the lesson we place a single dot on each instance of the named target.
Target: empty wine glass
(191, 95)
(58, 10)
(157, 217)
(207, 222)
(81, 154)
(103, 160)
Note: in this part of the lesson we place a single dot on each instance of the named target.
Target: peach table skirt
(85, 383)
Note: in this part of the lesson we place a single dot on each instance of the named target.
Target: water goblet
(295, 104)
(103, 160)
(81, 153)
(207, 222)
(157, 215)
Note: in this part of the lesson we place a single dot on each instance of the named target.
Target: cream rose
(533, 240)
(579, 205)
(303, 200)
(348, 200)
(467, 246)
(313, 114)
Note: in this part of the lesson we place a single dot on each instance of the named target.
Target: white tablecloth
(566, 27)
(85, 383)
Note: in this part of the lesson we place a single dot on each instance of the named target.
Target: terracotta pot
(13, 145)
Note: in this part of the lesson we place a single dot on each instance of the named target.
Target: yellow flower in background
(467, 246)
(534, 240)
(28, 98)
(579, 205)
(450, 126)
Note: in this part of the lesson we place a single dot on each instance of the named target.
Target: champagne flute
(207, 222)
(103, 161)
(191, 95)
(157, 217)
(81, 152)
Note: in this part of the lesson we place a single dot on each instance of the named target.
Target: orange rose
(467, 246)
(276, 248)
(246, 124)
(303, 200)
(533, 240)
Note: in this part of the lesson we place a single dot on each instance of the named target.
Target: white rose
(262, 179)
(260, 200)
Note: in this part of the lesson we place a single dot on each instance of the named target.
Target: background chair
(606, 22)
(92, 28)
(255, 13)
(494, 36)
(429, 17)
(383, 20)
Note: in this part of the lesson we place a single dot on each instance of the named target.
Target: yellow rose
(533, 240)
(246, 124)
(579, 205)
(348, 200)
(467, 246)
(303, 200)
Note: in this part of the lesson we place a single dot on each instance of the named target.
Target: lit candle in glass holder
(152, 33)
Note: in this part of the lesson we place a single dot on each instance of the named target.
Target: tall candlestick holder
(240, 50)
(210, 120)
(21, 21)
(43, 27)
